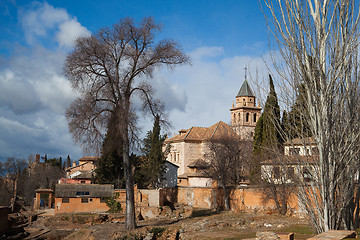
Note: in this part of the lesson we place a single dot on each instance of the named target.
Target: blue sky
(221, 37)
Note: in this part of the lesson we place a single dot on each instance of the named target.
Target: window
(290, 172)
(306, 175)
(276, 173)
(82, 193)
(254, 117)
(65, 200)
(82, 181)
(294, 151)
(84, 200)
(247, 117)
(90, 199)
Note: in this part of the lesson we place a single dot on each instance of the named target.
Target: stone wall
(241, 198)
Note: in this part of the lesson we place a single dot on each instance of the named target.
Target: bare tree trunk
(130, 221)
(226, 197)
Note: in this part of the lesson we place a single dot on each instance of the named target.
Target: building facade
(190, 145)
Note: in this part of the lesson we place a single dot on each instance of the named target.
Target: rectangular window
(276, 172)
(84, 200)
(65, 200)
(291, 172)
(294, 151)
(82, 181)
(82, 193)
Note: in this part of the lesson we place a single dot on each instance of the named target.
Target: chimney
(74, 164)
(37, 158)
(182, 131)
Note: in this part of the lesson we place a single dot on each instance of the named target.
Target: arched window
(247, 117)
(254, 117)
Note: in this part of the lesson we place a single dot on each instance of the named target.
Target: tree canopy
(112, 70)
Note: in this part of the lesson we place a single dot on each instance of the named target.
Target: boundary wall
(241, 198)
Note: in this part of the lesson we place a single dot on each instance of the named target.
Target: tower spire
(245, 68)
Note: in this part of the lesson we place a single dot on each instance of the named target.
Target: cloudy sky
(221, 37)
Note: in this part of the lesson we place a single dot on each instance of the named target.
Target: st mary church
(189, 146)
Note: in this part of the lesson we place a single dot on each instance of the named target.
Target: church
(189, 147)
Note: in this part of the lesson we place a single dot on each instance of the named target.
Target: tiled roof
(89, 158)
(198, 164)
(245, 90)
(203, 133)
(195, 174)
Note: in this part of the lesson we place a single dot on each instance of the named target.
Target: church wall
(192, 152)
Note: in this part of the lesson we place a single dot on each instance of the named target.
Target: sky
(221, 38)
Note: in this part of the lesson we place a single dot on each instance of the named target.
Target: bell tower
(245, 113)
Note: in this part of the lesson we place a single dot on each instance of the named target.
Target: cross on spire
(245, 68)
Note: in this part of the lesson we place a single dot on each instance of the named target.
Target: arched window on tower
(247, 117)
(254, 117)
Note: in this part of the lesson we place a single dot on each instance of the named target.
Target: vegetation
(267, 138)
(227, 158)
(318, 44)
(113, 204)
(112, 69)
(151, 166)
(111, 167)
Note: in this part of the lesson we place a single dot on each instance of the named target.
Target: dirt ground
(201, 224)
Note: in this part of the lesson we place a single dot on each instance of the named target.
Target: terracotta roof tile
(203, 133)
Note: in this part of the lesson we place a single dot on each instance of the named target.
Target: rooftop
(204, 133)
(245, 90)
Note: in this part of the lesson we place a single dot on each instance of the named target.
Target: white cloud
(39, 19)
(211, 84)
(17, 93)
(14, 127)
(69, 31)
(43, 18)
(206, 52)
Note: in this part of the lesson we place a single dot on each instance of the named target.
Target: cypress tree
(267, 138)
(68, 161)
(111, 168)
(267, 135)
(151, 165)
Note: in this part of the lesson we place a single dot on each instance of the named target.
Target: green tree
(68, 161)
(267, 136)
(296, 123)
(111, 166)
(267, 139)
(150, 167)
(112, 69)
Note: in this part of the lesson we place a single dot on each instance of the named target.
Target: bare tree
(111, 69)
(227, 162)
(318, 46)
(279, 181)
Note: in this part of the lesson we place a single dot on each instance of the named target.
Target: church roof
(245, 90)
(204, 133)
